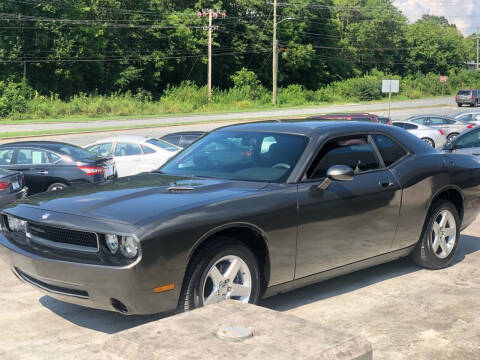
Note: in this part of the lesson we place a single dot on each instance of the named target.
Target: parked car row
(48, 166)
(37, 166)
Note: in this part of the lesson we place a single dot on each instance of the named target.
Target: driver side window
(354, 151)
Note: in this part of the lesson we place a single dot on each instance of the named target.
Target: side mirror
(449, 146)
(337, 173)
(340, 173)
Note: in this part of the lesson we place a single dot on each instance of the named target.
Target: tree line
(109, 46)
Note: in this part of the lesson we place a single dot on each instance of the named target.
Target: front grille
(51, 288)
(63, 238)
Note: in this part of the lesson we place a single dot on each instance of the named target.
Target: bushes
(19, 101)
(14, 97)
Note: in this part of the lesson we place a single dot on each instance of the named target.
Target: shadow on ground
(108, 322)
(360, 279)
(111, 322)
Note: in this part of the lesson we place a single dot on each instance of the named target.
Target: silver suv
(469, 97)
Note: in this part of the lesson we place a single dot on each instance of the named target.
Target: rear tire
(459, 105)
(439, 240)
(429, 141)
(207, 280)
(452, 136)
(57, 186)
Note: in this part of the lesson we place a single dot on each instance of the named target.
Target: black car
(247, 211)
(183, 138)
(49, 166)
(12, 187)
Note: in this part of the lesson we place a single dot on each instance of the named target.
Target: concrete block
(193, 335)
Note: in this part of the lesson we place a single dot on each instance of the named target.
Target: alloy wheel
(429, 142)
(228, 278)
(444, 234)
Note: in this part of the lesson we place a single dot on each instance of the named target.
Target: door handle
(386, 183)
(42, 172)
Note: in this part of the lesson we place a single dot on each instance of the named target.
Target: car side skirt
(342, 270)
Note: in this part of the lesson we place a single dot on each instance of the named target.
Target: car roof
(322, 130)
(345, 114)
(419, 126)
(431, 115)
(185, 133)
(126, 138)
(302, 127)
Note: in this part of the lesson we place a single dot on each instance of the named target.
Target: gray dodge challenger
(247, 211)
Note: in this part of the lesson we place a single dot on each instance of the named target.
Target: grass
(74, 119)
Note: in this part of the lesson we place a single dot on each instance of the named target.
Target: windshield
(248, 156)
(163, 145)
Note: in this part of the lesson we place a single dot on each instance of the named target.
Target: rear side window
(32, 157)
(355, 152)
(389, 149)
(6, 156)
(127, 149)
(419, 120)
(410, 126)
(466, 117)
(172, 139)
(147, 150)
(400, 125)
(437, 121)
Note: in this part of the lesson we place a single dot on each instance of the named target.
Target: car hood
(136, 198)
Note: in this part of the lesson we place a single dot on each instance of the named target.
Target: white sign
(390, 86)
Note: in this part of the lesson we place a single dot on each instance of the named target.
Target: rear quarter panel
(424, 177)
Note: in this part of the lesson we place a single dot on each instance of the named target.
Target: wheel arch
(452, 193)
(250, 235)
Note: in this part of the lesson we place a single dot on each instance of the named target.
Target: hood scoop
(180, 189)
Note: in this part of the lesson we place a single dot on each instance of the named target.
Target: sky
(464, 13)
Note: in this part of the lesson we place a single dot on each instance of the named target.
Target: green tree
(434, 47)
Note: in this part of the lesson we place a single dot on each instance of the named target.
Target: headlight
(112, 242)
(16, 225)
(128, 247)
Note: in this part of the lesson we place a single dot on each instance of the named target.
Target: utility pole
(478, 36)
(212, 14)
(209, 81)
(275, 55)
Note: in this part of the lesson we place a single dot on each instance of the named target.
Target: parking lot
(405, 311)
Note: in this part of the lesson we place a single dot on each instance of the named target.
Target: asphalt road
(284, 113)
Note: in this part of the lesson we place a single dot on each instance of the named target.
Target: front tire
(459, 104)
(438, 244)
(224, 269)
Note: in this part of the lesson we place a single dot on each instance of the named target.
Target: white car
(471, 116)
(436, 138)
(134, 154)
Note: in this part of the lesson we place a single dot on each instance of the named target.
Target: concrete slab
(193, 335)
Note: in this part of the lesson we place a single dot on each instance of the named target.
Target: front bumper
(89, 285)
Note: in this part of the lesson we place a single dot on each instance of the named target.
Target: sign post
(390, 86)
(443, 79)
